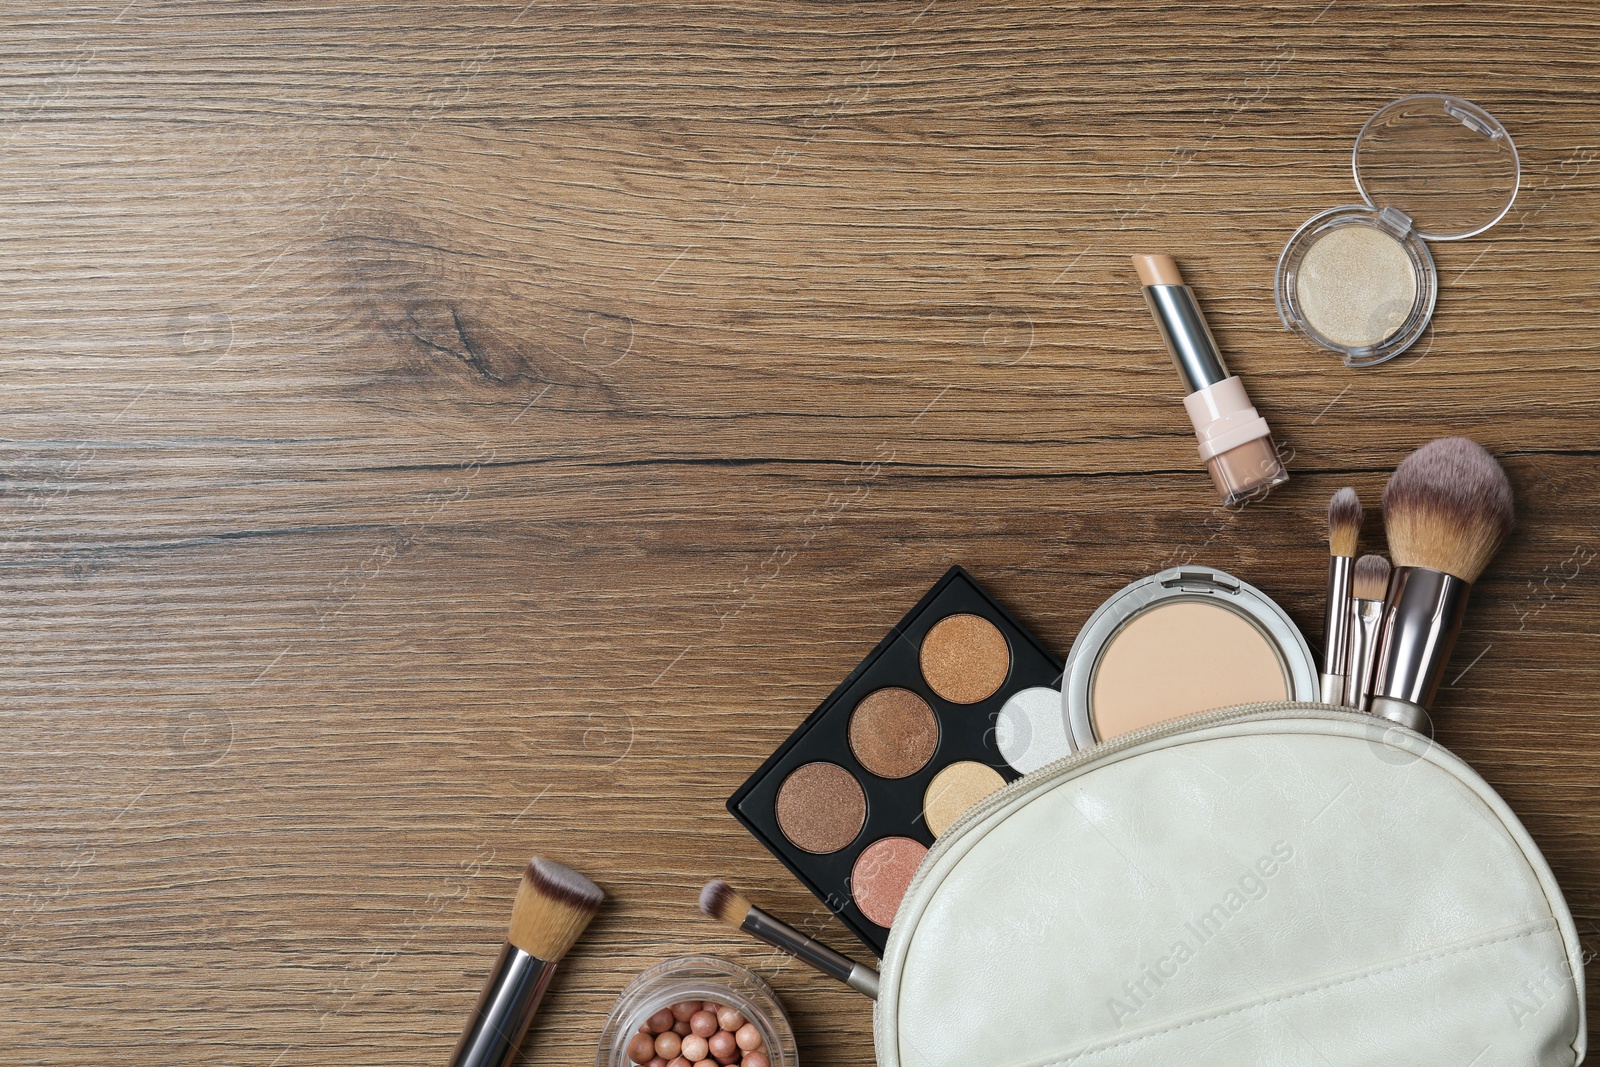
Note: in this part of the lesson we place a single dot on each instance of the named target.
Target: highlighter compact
(1186, 640)
(1358, 280)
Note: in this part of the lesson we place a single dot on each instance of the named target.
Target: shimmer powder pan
(1185, 641)
(1359, 280)
(821, 807)
(893, 732)
(941, 714)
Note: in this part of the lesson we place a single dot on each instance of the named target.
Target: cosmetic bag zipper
(1274, 709)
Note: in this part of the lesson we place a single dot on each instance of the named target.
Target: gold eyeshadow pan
(903, 747)
(955, 789)
(965, 658)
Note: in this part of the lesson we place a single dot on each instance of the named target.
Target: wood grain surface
(439, 433)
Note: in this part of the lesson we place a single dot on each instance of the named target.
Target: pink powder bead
(748, 1037)
(724, 1046)
(702, 1024)
(695, 1048)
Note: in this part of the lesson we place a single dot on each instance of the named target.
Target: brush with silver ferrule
(1369, 584)
(1447, 510)
(1344, 531)
(721, 901)
(554, 904)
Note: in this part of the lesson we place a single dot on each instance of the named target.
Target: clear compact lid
(1447, 164)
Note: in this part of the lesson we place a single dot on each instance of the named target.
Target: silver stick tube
(1366, 618)
(1336, 630)
(1421, 618)
(1183, 328)
(785, 938)
(505, 1010)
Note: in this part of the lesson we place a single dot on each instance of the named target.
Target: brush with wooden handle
(554, 904)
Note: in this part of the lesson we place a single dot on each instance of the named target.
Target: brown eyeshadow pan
(965, 658)
(821, 807)
(893, 732)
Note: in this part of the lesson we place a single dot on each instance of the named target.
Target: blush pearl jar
(698, 978)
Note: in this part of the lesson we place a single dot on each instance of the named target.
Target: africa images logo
(1199, 932)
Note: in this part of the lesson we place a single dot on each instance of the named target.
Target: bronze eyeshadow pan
(852, 800)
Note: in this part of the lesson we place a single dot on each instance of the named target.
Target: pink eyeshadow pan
(881, 875)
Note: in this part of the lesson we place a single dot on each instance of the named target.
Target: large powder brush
(1447, 511)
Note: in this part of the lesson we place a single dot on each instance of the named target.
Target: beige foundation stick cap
(1157, 270)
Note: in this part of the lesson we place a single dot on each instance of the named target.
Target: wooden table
(436, 434)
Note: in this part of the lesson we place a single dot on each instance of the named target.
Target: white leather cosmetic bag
(1286, 884)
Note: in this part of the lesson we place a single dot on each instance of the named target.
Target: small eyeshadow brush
(1344, 531)
(554, 904)
(1369, 585)
(721, 901)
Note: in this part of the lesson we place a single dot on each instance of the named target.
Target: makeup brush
(554, 904)
(721, 901)
(1368, 586)
(1447, 510)
(1344, 530)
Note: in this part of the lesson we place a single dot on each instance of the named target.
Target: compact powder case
(1186, 640)
(956, 701)
(1359, 280)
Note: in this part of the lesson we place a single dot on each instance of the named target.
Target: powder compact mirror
(1359, 280)
(1186, 640)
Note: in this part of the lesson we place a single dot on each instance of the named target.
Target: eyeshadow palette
(956, 701)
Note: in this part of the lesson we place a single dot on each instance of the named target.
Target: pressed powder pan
(1187, 640)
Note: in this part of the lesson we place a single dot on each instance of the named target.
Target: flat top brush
(1447, 510)
(1344, 532)
(721, 901)
(1369, 584)
(1371, 578)
(553, 906)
